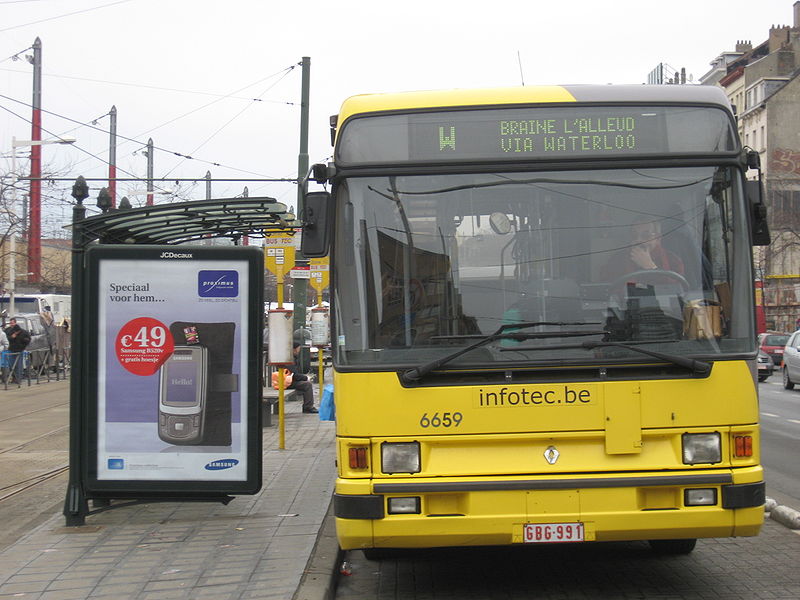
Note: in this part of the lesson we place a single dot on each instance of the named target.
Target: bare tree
(14, 189)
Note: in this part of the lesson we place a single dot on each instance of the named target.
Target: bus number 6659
(441, 420)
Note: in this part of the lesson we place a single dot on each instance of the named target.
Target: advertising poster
(175, 378)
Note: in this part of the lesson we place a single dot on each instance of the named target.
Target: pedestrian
(18, 340)
(47, 316)
(300, 381)
(4, 354)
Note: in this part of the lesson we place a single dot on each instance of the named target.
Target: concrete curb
(786, 516)
(321, 573)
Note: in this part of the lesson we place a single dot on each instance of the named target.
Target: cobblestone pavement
(255, 547)
(762, 567)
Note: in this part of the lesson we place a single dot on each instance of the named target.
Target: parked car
(791, 361)
(773, 344)
(765, 365)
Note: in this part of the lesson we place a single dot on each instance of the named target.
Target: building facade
(763, 85)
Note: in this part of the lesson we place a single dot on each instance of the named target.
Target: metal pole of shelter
(75, 504)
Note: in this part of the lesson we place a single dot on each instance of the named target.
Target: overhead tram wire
(16, 57)
(73, 145)
(101, 130)
(284, 72)
(133, 177)
(77, 12)
(232, 119)
(155, 87)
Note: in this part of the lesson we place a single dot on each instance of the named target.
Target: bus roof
(649, 94)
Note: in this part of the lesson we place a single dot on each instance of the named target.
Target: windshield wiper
(502, 333)
(700, 367)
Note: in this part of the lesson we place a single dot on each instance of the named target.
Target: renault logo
(551, 455)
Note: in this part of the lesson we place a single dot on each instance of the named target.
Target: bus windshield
(427, 264)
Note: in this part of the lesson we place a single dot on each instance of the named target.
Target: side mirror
(753, 159)
(317, 225)
(500, 223)
(319, 173)
(758, 214)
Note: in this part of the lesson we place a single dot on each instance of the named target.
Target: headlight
(404, 506)
(400, 457)
(700, 497)
(701, 448)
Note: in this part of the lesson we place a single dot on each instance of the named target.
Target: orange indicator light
(743, 446)
(358, 457)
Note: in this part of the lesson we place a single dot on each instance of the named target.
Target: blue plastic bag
(327, 408)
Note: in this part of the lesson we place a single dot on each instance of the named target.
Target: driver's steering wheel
(645, 274)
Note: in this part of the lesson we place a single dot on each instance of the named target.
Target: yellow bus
(542, 317)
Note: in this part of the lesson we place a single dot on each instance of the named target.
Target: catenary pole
(35, 214)
(12, 265)
(149, 172)
(300, 287)
(112, 157)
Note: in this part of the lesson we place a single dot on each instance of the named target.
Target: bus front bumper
(476, 512)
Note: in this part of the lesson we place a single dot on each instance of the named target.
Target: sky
(220, 81)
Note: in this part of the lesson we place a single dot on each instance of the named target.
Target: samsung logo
(175, 255)
(219, 465)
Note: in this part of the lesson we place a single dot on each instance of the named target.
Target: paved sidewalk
(255, 547)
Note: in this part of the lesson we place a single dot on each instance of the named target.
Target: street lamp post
(12, 266)
(75, 504)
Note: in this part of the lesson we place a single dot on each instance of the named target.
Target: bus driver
(644, 253)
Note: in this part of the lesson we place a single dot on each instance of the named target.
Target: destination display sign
(535, 133)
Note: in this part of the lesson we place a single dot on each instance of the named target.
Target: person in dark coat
(18, 340)
(300, 381)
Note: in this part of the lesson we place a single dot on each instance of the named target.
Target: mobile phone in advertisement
(182, 395)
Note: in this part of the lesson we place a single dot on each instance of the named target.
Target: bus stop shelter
(192, 222)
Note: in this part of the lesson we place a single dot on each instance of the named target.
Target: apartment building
(763, 85)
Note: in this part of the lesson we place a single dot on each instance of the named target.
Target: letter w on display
(446, 141)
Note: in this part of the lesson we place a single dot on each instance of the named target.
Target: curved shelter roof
(181, 222)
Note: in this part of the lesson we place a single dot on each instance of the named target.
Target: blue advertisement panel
(175, 368)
